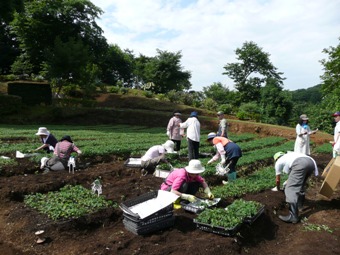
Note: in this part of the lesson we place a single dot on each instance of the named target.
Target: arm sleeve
(220, 148)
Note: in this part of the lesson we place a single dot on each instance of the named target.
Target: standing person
(336, 141)
(174, 132)
(228, 151)
(47, 139)
(193, 135)
(303, 132)
(185, 182)
(155, 155)
(62, 153)
(299, 168)
(222, 125)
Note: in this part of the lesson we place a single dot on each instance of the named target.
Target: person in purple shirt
(186, 181)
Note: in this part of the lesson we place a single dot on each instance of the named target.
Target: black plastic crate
(218, 230)
(250, 220)
(146, 221)
(145, 197)
(150, 228)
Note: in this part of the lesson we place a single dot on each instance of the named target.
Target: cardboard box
(332, 179)
(327, 168)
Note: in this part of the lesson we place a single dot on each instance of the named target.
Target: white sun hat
(42, 131)
(169, 146)
(195, 167)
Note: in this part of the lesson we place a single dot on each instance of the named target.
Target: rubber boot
(231, 176)
(293, 216)
(301, 201)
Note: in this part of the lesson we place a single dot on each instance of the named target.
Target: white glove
(274, 189)
(168, 133)
(190, 198)
(223, 159)
(210, 161)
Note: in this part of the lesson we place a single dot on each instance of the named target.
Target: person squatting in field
(228, 151)
(47, 139)
(155, 155)
(62, 153)
(185, 182)
(299, 168)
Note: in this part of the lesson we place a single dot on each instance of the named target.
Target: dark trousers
(188, 188)
(193, 149)
(177, 144)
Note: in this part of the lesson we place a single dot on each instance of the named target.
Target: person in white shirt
(303, 132)
(222, 125)
(299, 168)
(336, 141)
(193, 127)
(155, 155)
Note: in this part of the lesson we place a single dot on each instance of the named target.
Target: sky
(207, 33)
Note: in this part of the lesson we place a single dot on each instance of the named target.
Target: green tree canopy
(42, 21)
(251, 72)
(331, 78)
(164, 71)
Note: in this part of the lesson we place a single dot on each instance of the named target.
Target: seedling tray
(217, 229)
(250, 220)
(149, 228)
(195, 207)
(133, 162)
(125, 206)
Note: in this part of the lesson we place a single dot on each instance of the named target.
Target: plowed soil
(104, 232)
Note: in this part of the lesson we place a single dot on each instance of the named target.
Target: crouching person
(228, 151)
(185, 182)
(299, 168)
(156, 155)
(62, 153)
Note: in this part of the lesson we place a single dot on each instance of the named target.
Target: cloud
(207, 32)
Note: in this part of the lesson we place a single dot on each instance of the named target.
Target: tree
(251, 72)
(44, 20)
(276, 105)
(9, 47)
(118, 65)
(331, 78)
(164, 71)
(217, 92)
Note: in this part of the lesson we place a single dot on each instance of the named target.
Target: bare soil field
(104, 233)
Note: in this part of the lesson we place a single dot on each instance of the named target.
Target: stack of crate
(162, 219)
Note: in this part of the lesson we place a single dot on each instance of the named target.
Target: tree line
(60, 41)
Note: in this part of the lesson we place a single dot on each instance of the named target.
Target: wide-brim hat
(195, 167)
(169, 146)
(178, 113)
(42, 131)
(304, 117)
(211, 135)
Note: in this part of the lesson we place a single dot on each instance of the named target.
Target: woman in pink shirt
(185, 182)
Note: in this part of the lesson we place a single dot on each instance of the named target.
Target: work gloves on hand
(208, 193)
(168, 133)
(190, 198)
(222, 159)
(210, 161)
